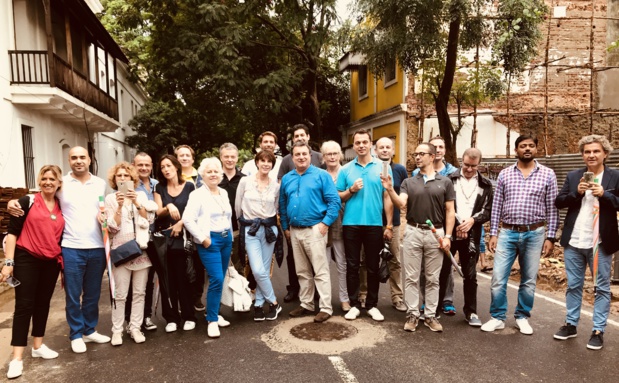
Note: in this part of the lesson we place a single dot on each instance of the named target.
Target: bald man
(82, 248)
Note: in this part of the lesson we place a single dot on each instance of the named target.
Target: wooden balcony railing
(31, 67)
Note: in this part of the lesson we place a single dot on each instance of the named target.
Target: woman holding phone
(172, 194)
(126, 215)
(33, 261)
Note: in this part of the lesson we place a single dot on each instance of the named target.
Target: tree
(418, 31)
(205, 65)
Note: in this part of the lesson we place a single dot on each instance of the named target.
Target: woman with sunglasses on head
(34, 258)
(127, 216)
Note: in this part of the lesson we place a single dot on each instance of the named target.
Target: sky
(342, 8)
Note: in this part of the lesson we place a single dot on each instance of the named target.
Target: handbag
(383, 269)
(126, 252)
(190, 253)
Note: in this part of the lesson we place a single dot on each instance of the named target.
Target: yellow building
(376, 104)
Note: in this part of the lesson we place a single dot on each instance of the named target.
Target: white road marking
(551, 300)
(342, 369)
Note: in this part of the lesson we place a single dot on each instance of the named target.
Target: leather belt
(424, 226)
(523, 228)
(300, 227)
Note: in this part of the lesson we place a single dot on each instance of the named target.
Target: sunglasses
(11, 281)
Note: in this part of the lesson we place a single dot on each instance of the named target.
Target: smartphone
(588, 177)
(123, 186)
(11, 281)
(385, 168)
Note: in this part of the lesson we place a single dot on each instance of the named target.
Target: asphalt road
(379, 352)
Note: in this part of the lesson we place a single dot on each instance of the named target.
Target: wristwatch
(551, 239)
(448, 236)
(10, 262)
(389, 227)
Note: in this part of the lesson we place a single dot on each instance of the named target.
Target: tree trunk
(442, 100)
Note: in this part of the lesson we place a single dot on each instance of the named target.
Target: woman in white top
(332, 157)
(126, 213)
(208, 217)
(256, 208)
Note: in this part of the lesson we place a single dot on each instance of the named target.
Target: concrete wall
(608, 81)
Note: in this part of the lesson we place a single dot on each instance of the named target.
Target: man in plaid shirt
(523, 205)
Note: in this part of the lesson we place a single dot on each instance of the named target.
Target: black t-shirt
(180, 201)
(230, 186)
(427, 200)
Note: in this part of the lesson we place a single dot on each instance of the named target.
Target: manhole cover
(323, 332)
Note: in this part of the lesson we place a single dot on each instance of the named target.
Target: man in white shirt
(268, 141)
(473, 208)
(82, 248)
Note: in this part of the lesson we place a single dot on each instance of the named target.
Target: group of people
(324, 210)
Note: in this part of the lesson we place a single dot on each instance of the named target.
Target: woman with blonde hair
(332, 157)
(208, 218)
(33, 259)
(126, 213)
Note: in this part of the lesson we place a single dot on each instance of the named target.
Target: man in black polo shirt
(229, 156)
(428, 195)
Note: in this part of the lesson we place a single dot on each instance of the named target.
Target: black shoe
(566, 331)
(291, 296)
(596, 342)
(273, 311)
(258, 314)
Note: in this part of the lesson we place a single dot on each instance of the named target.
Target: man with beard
(300, 133)
(524, 203)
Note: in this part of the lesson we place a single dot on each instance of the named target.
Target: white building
(63, 82)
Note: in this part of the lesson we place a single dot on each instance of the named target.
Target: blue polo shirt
(365, 207)
(308, 199)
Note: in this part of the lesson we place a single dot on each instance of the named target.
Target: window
(26, 136)
(363, 81)
(390, 71)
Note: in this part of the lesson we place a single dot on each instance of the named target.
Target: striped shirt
(525, 201)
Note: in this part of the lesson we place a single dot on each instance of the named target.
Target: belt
(522, 228)
(424, 226)
(301, 227)
(223, 234)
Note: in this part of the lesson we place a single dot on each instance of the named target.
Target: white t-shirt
(80, 207)
(466, 194)
(582, 235)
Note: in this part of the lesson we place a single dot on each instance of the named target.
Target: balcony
(59, 90)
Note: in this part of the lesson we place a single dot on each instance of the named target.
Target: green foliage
(224, 70)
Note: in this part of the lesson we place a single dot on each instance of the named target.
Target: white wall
(491, 135)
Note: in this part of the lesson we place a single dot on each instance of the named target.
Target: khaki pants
(309, 251)
(122, 277)
(420, 246)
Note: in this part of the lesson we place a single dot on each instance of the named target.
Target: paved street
(379, 352)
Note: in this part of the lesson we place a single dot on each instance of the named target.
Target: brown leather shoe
(321, 317)
(299, 312)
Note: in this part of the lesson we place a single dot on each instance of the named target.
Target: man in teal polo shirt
(359, 185)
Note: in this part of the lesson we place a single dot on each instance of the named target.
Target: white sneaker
(170, 327)
(96, 338)
(221, 322)
(524, 326)
(44, 352)
(213, 330)
(16, 367)
(78, 346)
(352, 314)
(138, 336)
(375, 314)
(493, 324)
(117, 338)
(189, 325)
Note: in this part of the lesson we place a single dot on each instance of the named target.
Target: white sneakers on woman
(221, 322)
(16, 368)
(213, 330)
(44, 352)
(117, 339)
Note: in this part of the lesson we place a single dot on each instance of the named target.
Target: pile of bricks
(7, 194)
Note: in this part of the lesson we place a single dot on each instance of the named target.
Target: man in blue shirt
(308, 205)
(359, 185)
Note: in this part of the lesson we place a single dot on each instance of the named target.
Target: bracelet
(10, 262)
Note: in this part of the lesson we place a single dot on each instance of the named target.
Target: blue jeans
(215, 259)
(260, 254)
(576, 261)
(529, 247)
(83, 271)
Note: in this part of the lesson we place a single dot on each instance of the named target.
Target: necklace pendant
(53, 217)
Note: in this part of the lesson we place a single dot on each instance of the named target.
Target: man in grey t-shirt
(427, 195)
